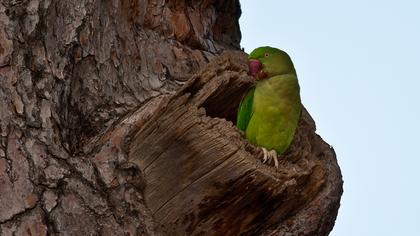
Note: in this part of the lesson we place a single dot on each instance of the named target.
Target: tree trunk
(114, 122)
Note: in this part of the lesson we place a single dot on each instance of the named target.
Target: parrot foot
(270, 155)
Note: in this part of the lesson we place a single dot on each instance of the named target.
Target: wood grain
(203, 178)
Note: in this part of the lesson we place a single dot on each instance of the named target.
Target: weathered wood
(69, 71)
(203, 178)
(87, 86)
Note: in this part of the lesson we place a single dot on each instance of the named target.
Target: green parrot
(270, 111)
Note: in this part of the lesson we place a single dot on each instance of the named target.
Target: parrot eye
(266, 54)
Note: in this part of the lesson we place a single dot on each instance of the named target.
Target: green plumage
(270, 111)
(245, 110)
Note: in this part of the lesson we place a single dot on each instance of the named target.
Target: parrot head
(265, 62)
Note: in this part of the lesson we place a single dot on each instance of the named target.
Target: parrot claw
(265, 155)
(270, 155)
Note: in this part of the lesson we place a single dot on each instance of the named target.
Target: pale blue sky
(358, 64)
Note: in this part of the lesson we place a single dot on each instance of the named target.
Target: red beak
(255, 67)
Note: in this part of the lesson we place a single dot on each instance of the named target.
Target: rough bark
(112, 122)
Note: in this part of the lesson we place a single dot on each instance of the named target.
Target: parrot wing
(245, 110)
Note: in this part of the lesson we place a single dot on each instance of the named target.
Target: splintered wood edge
(191, 162)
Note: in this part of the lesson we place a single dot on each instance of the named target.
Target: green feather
(245, 110)
(270, 112)
(276, 112)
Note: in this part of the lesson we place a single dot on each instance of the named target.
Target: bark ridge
(107, 129)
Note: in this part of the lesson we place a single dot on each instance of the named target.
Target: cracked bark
(113, 122)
